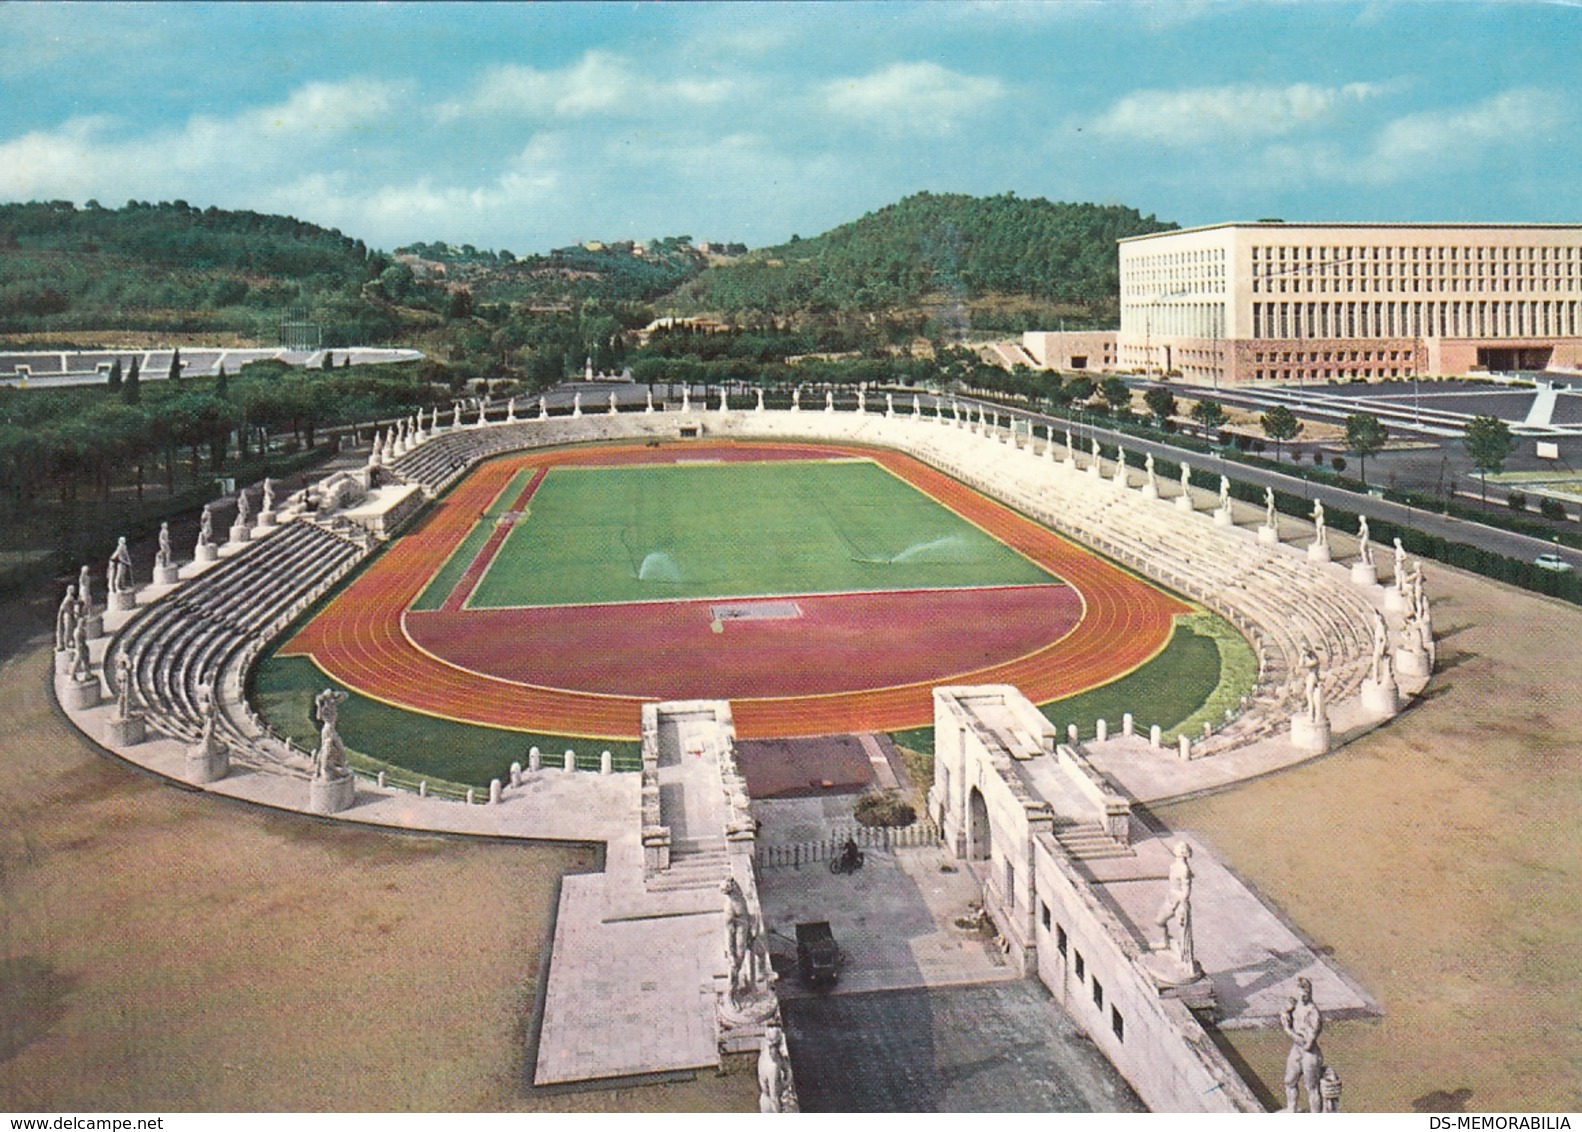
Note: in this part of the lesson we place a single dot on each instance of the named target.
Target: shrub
(884, 808)
(1318, 457)
(1338, 463)
(1551, 508)
(1516, 501)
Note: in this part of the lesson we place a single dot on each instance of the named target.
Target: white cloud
(1436, 139)
(910, 97)
(598, 83)
(1207, 114)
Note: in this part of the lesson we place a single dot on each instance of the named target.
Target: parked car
(1552, 562)
(818, 955)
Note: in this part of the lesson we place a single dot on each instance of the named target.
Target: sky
(533, 127)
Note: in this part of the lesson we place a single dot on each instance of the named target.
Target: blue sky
(533, 127)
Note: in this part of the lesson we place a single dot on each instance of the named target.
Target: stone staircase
(694, 865)
(1089, 841)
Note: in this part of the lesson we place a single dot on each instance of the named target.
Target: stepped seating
(205, 634)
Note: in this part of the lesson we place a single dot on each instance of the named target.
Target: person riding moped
(850, 855)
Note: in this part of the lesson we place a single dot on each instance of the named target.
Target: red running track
(360, 640)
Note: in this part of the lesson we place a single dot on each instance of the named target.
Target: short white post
(381, 780)
(1101, 730)
(1071, 732)
(606, 762)
(469, 795)
(422, 789)
(1128, 729)
(1185, 744)
(516, 774)
(534, 759)
(570, 760)
(1156, 736)
(494, 791)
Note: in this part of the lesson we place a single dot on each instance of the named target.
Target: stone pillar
(128, 732)
(1381, 697)
(606, 763)
(1184, 502)
(1364, 574)
(1269, 536)
(1156, 737)
(516, 774)
(122, 601)
(166, 575)
(1128, 728)
(534, 759)
(570, 761)
(1394, 600)
(1184, 748)
(1071, 733)
(494, 792)
(1223, 518)
(1413, 662)
(207, 762)
(206, 552)
(1318, 552)
(1101, 730)
(80, 695)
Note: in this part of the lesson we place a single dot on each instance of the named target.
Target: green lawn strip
(456, 565)
(411, 746)
(1205, 668)
(661, 532)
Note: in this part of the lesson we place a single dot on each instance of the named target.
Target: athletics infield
(820, 588)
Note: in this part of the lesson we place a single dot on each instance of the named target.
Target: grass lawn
(412, 746)
(721, 530)
(1203, 666)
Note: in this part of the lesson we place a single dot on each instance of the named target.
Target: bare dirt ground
(1440, 858)
(163, 950)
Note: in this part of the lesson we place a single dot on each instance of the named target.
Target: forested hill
(931, 247)
(170, 266)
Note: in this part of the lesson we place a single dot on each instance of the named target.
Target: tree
(115, 374)
(1209, 413)
(1080, 388)
(1488, 441)
(1279, 424)
(328, 360)
(1116, 394)
(1161, 403)
(131, 389)
(1365, 435)
(175, 365)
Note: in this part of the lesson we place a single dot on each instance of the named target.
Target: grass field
(456, 565)
(412, 746)
(670, 531)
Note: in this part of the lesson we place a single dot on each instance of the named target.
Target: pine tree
(222, 384)
(175, 365)
(131, 391)
(115, 374)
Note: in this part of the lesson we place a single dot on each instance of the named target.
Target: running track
(360, 638)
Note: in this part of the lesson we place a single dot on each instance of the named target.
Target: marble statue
(543, 409)
(165, 556)
(1320, 530)
(1312, 687)
(118, 575)
(329, 761)
(1069, 448)
(889, 405)
(1120, 466)
(84, 587)
(739, 938)
(725, 399)
(760, 405)
(1186, 480)
(1364, 546)
(1400, 564)
(1224, 493)
(576, 404)
(1381, 643)
(81, 664)
(613, 409)
(455, 416)
(244, 510)
(862, 400)
(123, 685)
(796, 398)
(1268, 508)
(206, 527)
(648, 403)
(686, 398)
(483, 411)
(1153, 480)
(587, 369)
(1177, 909)
(269, 494)
(66, 620)
(829, 401)
(917, 406)
(774, 1072)
(1304, 1065)
(510, 411)
(1093, 446)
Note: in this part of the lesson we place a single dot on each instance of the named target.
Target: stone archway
(978, 837)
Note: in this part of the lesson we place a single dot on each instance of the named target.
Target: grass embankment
(449, 755)
(1204, 669)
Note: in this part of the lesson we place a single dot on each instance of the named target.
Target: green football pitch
(676, 531)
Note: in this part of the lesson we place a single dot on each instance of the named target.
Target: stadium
(414, 643)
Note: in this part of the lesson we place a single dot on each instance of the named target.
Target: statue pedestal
(1150, 491)
(1165, 968)
(1309, 736)
(1364, 574)
(123, 602)
(240, 534)
(206, 552)
(1222, 518)
(264, 522)
(166, 575)
(1184, 504)
(1269, 536)
(207, 765)
(93, 623)
(1318, 552)
(331, 795)
(126, 732)
(1394, 600)
(1412, 662)
(1381, 698)
(80, 695)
